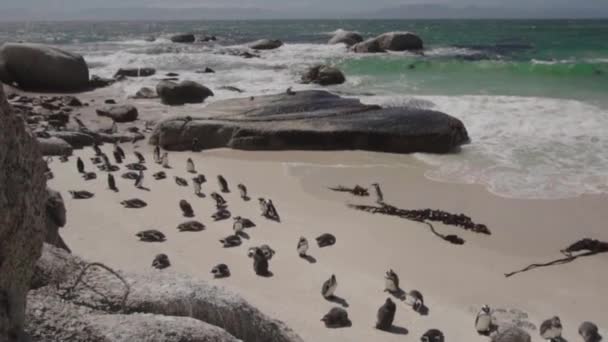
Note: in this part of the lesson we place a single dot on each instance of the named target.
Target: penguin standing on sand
(80, 165)
(120, 151)
(97, 149)
(260, 263)
(220, 202)
(140, 157)
(197, 186)
(302, 247)
(391, 282)
(112, 182)
(161, 261)
(139, 181)
(379, 195)
(190, 166)
(223, 184)
(156, 154)
(386, 315)
(117, 157)
(329, 287)
(263, 206)
(432, 335)
(589, 332)
(238, 226)
(416, 300)
(186, 208)
(243, 191)
(483, 321)
(551, 329)
(165, 160)
(272, 211)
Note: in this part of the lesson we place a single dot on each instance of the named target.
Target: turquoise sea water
(533, 94)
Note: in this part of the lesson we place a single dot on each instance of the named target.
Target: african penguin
(589, 332)
(243, 191)
(231, 241)
(119, 150)
(223, 184)
(263, 206)
(260, 263)
(81, 194)
(112, 182)
(391, 282)
(551, 329)
(80, 165)
(156, 154)
(151, 235)
(180, 181)
(336, 318)
(272, 211)
(140, 157)
(191, 226)
(432, 335)
(329, 287)
(220, 271)
(190, 166)
(386, 315)
(219, 200)
(97, 149)
(197, 186)
(483, 321)
(416, 300)
(290, 92)
(117, 157)
(186, 208)
(379, 195)
(302, 247)
(161, 261)
(221, 214)
(165, 160)
(139, 182)
(237, 226)
(325, 240)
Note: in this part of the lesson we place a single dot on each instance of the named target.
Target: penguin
(231, 241)
(180, 181)
(272, 211)
(161, 261)
(391, 282)
(120, 151)
(186, 208)
(220, 271)
(159, 175)
(551, 329)
(243, 191)
(156, 155)
(336, 318)
(201, 179)
(140, 157)
(197, 186)
(267, 251)
(64, 158)
(130, 175)
(96, 160)
(196, 147)
(80, 165)
(432, 335)
(87, 176)
(97, 149)
(139, 182)
(263, 206)
(379, 195)
(589, 332)
(221, 214)
(483, 321)
(191, 226)
(117, 157)
(290, 92)
(326, 240)
(81, 194)
(112, 182)
(219, 200)
(134, 203)
(190, 166)
(329, 287)
(223, 184)
(302, 247)
(386, 315)
(165, 160)
(237, 226)
(260, 263)
(151, 235)
(416, 300)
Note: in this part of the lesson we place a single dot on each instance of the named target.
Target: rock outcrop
(182, 305)
(183, 38)
(399, 41)
(76, 139)
(54, 147)
(41, 67)
(135, 72)
(311, 120)
(175, 94)
(119, 113)
(266, 44)
(371, 45)
(346, 37)
(323, 75)
(22, 217)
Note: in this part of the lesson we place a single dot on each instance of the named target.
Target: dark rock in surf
(371, 45)
(323, 75)
(266, 44)
(346, 37)
(175, 94)
(183, 38)
(135, 72)
(400, 41)
(122, 113)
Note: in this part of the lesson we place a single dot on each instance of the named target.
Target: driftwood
(426, 215)
(589, 247)
(357, 190)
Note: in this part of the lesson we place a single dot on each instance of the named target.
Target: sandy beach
(455, 280)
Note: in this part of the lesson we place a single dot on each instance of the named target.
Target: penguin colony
(337, 317)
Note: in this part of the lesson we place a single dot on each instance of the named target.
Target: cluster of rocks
(391, 41)
(189, 38)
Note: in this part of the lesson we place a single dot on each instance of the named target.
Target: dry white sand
(454, 279)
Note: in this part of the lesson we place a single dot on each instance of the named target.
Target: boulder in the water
(145, 93)
(121, 113)
(400, 41)
(41, 67)
(346, 37)
(323, 75)
(173, 94)
(371, 45)
(183, 38)
(266, 44)
(135, 72)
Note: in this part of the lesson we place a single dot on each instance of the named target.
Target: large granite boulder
(399, 41)
(183, 38)
(41, 67)
(311, 120)
(371, 45)
(22, 217)
(179, 303)
(346, 37)
(134, 72)
(266, 44)
(76, 139)
(323, 75)
(175, 94)
(119, 113)
(54, 146)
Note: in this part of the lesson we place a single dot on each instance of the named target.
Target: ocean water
(533, 94)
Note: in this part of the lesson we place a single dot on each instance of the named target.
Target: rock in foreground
(122, 113)
(312, 120)
(43, 68)
(346, 37)
(175, 94)
(323, 75)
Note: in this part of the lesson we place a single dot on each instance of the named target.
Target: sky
(67, 8)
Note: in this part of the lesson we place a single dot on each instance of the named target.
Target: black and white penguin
(589, 332)
(87, 176)
(220, 271)
(432, 335)
(329, 287)
(197, 186)
(190, 166)
(551, 329)
(219, 200)
(238, 226)
(97, 149)
(120, 151)
(81, 194)
(272, 211)
(139, 182)
(336, 318)
(266, 250)
(140, 157)
(165, 160)
(379, 195)
(483, 321)
(159, 175)
(223, 184)
(186, 208)
(415, 299)
(260, 263)
(243, 191)
(391, 282)
(386, 315)
(134, 203)
(161, 261)
(80, 165)
(181, 181)
(112, 182)
(263, 206)
(117, 157)
(221, 214)
(231, 241)
(191, 226)
(302, 247)
(326, 240)
(156, 154)
(151, 235)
